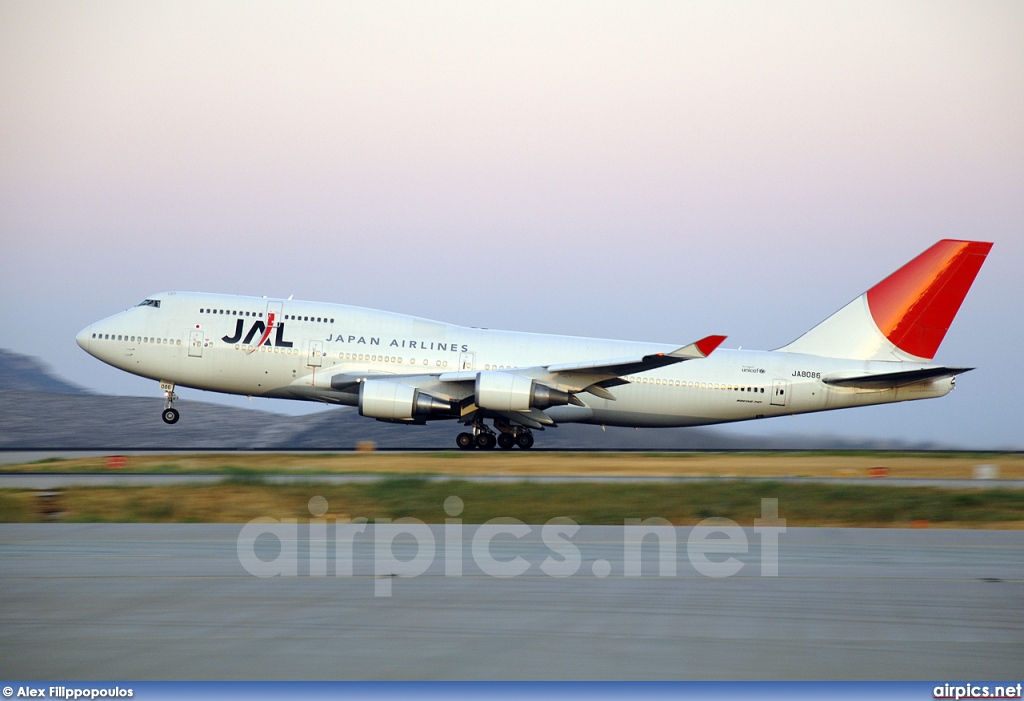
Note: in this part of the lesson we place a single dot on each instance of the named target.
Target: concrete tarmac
(175, 601)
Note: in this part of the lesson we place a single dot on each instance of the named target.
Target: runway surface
(156, 601)
(59, 480)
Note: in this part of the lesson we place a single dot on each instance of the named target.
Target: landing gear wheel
(486, 441)
(525, 440)
(170, 414)
(506, 441)
(465, 441)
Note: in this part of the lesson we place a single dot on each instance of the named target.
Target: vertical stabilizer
(906, 315)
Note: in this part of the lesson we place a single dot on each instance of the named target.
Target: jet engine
(383, 399)
(503, 391)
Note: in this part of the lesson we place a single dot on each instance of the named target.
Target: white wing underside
(594, 377)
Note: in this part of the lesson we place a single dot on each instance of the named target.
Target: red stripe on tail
(915, 306)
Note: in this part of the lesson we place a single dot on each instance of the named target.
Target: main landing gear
(484, 438)
(170, 414)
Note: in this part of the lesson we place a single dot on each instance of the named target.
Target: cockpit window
(149, 303)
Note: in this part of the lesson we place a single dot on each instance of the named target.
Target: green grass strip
(243, 497)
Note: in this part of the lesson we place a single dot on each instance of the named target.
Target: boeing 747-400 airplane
(403, 369)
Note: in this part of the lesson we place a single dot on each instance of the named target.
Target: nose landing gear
(170, 415)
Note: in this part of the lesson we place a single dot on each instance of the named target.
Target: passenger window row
(695, 385)
(259, 315)
(135, 339)
(444, 363)
(388, 359)
(230, 312)
(295, 317)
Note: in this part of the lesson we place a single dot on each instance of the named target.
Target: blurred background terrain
(40, 410)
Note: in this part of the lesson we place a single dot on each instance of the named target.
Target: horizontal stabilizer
(890, 380)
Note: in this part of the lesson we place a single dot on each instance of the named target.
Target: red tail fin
(906, 315)
(915, 306)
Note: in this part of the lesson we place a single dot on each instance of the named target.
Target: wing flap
(534, 418)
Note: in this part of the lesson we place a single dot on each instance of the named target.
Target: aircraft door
(780, 392)
(466, 361)
(195, 344)
(316, 354)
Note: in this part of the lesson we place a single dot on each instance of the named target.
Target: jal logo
(263, 330)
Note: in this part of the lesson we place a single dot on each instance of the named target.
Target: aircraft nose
(82, 339)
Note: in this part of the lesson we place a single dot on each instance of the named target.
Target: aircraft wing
(349, 382)
(891, 380)
(459, 388)
(596, 376)
(576, 374)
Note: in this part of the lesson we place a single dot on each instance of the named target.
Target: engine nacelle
(504, 391)
(384, 399)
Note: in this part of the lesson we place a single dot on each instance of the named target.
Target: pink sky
(654, 171)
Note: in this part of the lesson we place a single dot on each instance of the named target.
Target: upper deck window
(149, 303)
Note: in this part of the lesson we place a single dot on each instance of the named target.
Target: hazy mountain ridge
(41, 411)
(23, 372)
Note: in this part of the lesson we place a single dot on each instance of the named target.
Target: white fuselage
(210, 342)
